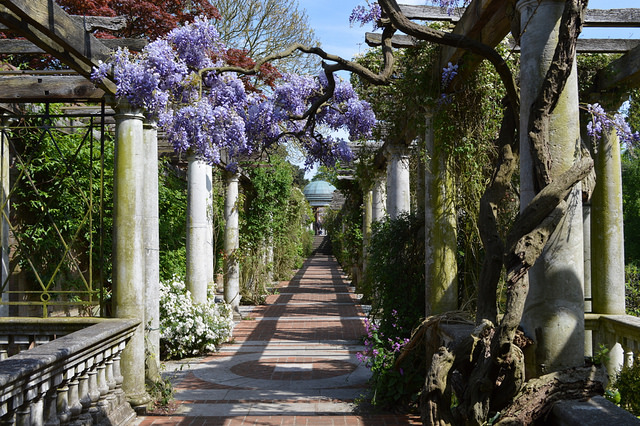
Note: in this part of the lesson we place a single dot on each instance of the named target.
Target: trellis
(44, 291)
(49, 30)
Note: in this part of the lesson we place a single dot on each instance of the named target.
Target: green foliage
(628, 386)
(395, 383)
(602, 355)
(588, 66)
(632, 289)
(276, 215)
(466, 128)
(465, 123)
(633, 113)
(631, 205)
(394, 278)
(161, 393)
(56, 206)
(344, 228)
(172, 202)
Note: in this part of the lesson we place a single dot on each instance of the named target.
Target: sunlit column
(199, 229)
(128, 251)
(4, 212)
(152, 250)
(554, 312)
(441, 269)
(398, 191)
(231, 245)
(607, 238)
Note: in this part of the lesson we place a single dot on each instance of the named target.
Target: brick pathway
(292, 361)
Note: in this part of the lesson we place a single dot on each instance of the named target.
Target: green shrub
(632, 289)
(394, 279)
(628, 385)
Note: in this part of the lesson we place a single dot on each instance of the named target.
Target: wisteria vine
(207, 113)
(603, 122)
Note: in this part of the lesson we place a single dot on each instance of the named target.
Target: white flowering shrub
(187, 329)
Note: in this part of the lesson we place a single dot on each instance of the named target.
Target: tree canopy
(260, 27)
(145, 18)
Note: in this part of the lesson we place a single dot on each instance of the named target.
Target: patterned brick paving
(291, 362)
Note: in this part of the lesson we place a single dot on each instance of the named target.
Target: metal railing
(75, 377)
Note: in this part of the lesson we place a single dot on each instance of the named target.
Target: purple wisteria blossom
(602, 122)
(372, 12)
(209, 114)
(364, 15)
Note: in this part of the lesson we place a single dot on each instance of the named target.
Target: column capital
(124, 109)
(231, 176)
(396, 149)
(150, 124)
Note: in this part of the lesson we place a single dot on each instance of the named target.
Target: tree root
(537, 397)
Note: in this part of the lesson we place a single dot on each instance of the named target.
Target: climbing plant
(62, 227)
(273, 237)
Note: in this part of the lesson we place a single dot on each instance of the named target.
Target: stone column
(367, 198)
(586, 252)
(4, 212)
(554, 310)
(441, 269)
(607, 237)
(152, 250)
(378, 201)
(199, 229)
(398, 198)
(231, 245)
(128, 246)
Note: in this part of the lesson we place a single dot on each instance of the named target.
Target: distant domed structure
(319, 193)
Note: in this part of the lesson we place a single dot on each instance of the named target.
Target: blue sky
(330, 21)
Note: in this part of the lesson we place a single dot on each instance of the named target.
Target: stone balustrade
(73, 379)
(610, 330)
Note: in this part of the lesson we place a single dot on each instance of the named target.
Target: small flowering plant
(187, 329)
(391, 385)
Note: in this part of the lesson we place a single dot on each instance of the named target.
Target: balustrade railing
(73, 379)
(610, 330)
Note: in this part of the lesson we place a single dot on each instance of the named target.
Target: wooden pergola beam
(431, 13)
(622, 73)
(25, 88)
(610, 18)
(584, 45)
(92, 23)
(25, 47)
(49, 27)
(487, 21)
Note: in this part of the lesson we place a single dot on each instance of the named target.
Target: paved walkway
(292, 361)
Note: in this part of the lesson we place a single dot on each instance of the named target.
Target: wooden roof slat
(49, 27)
(487, 21)
(92, 23)
(431, 13)
(25, 47)
(623, 72)
(608, 18)
(59, 88)
(584, 45)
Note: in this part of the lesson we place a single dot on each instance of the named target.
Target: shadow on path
(292, 361)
